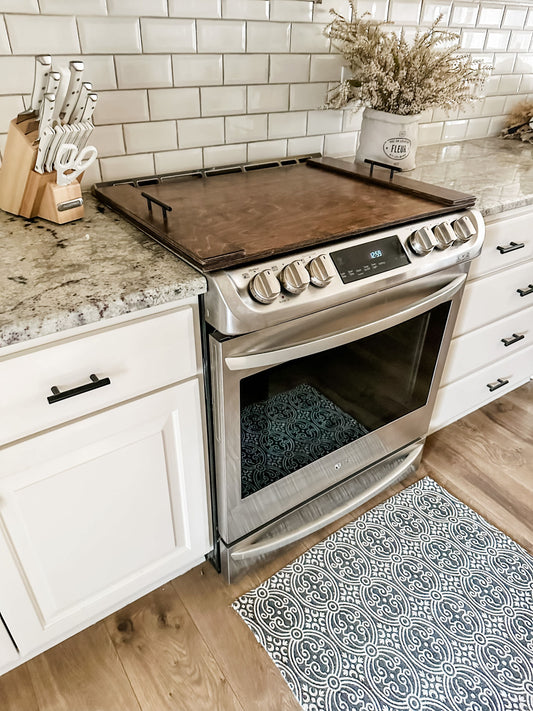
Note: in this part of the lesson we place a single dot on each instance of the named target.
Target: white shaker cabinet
(108, 498)
(491, 352)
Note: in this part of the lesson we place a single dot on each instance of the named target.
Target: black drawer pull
(510, 247)
(526, 291)
(498, 384)
(513, 339)
(95, 383)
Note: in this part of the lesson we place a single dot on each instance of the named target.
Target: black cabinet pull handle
(526, 291)
(510, 247)
(498, 384)
(513, 339)
(95, 383)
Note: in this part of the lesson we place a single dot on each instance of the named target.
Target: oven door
(302, 406)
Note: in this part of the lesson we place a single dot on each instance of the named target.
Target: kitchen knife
(88, 111)
(57, 140)
(43, 64)
(47, 113)
(86, 89)
(44, 144)
(73, 90)
(52, 83)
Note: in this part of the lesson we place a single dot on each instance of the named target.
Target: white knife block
(25, 192)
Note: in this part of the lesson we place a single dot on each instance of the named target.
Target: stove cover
(242, 217)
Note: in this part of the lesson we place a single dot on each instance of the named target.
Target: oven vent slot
(223, 171)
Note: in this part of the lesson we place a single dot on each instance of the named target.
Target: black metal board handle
(526, 291)
(511, 247)
(498, 384)
(95, 383)
(512, 339)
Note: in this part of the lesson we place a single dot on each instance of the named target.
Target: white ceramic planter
(388, 138)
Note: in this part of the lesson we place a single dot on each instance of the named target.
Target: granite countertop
(56, 277)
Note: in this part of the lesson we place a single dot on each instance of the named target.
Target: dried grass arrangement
(390, 74)
(519, 123)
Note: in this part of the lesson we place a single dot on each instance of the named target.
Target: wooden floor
(183, 648)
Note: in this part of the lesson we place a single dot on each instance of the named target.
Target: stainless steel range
(324, 360)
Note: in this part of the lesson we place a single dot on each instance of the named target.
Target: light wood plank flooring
(182, 647)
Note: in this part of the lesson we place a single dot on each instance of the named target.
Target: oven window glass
(295, 413)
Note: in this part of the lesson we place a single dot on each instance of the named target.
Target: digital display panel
(364, 260)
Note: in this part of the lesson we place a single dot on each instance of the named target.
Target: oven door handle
(257, 548)
(300, 350)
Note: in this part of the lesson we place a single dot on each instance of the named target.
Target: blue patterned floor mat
(418, 605)
(288, 431)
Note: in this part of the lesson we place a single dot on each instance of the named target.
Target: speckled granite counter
(498, 172)
(53, 278)
(57, 277)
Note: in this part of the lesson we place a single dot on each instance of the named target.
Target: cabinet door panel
(102, 509)
(8, 651)
(501, 233)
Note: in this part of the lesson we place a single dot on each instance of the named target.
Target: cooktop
(221, 218)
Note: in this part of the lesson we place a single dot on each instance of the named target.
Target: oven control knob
(464, 229)
(295, 277)
(422, 241)
(444, 235)
(321, 270)
(265, 287)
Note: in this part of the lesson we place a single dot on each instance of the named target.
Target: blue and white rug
(418, 605)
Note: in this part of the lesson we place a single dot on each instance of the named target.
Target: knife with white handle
(47, 112)
(44, 144)
(52, 83)
(43, 64)
(88, 111)
(73, 90)
(57, 140)
(86, 89)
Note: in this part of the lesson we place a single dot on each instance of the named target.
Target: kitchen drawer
(476, 349)
(467, 394)
(493, 297)
(137, 357)
(514, 235)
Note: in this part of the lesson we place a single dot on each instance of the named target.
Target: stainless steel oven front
(313, 415)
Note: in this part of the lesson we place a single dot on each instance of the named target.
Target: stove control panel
(295, 277)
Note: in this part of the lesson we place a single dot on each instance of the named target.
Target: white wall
(196, 83)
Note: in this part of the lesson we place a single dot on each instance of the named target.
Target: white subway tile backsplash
(122, 167)
(497, 40)
(379, 9)
(195, 133)
(454, 130)
(514, 17)
(490, 15)
(245, 9)
(524, 63)
(308, 38)
(137, 8)
(125, 106)
(99, 69)
(307, 96)
(325, 121)
(4, 41)
(405, 11)
(504, 63)
(289, 68)
(340, 144)
(168, 35)
(217, 156)
(266, 98)
(291, 10)
(520, 41)
(109, 140)
(243, 129)
(303, 146)
(478, 127)
(326, 67)
(197, 69)
(150, 136)
(464, 14)
(222, 100)
(109, 35)
(267, 150)
(526, 85)
(194, 8)
(288, 124)
(432, 9)
(178, 161)
(429, 133)
(529, 20)
(20, 6)
(72, 7)
(473, 39)
(493, 105)
(221, 36)
(174, 103)
(352, 120)
(138, 71)
(38, 34)
(16, 75)
(268, 37)
(10, 106)
(321, 12)
(509, 84)
(245, 68)
(497, 123)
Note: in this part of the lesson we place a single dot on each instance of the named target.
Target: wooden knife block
(25, 192)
